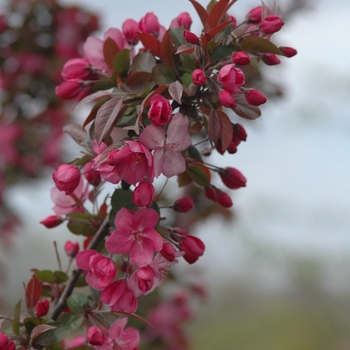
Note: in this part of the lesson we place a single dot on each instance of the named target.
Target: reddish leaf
(184, 179)
(93, 113)
(202, 13)
(95, 96)
(217, 12)
(40, 329)
(245, 110)
(176, 90)
(230, 4)
(32, 292)
(143, 62)
(150, 43)
(226, 129)
(184, 49)
(110, 50)
(214, 126)
(256, 44)
(167, 49)
(210, 35)
(139, 81)
(76, 132)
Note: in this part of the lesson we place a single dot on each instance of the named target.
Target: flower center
(138, 236)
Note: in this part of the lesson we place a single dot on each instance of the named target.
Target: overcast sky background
(296, 158)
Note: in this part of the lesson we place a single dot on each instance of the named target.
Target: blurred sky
(296, 157)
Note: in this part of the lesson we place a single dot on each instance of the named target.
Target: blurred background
(278, 273)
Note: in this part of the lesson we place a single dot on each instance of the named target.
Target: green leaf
(81, 282)
(143, 62)
(16, 316)
(71, 319)
(162, 74)
(53, 336)
(194, 153)
(31, 322)
(40, 329)
(188, 64)
(187, 80)
(79, 227)
(49, 276)
(256, 44)
(78, 302)
(177, 36)
(56, 346)
(199, 174)
(221, 52)
(121, 62)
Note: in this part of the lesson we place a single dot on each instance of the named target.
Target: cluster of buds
(153, 105)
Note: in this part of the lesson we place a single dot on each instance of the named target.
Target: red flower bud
(271, 24)
(254, 15)
(6, 343)
(193, 248)
(210, 193)
(130, 28)
(71, 248)
(191, 37)
(198, 77)
(241, 58)
(91, 175)
(270, 59)
(149, 24)
(69, 89)
(67, 178)
(226, 99)
(143, 194)
(232, 178)
(52, 221)
(255, 97)
(76, 68)
(234, 21)
(168, 251)
(183, 20)
(160, 111)
(288, 51)
(42, 308)
(183, 205)
(224, 199)
(95, 336)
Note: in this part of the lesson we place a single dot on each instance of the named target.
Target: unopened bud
(224, 199)
(71, 248)
(42, 308)
(226, 99)
(241, 58)
(183, 205)
(271, 24)
(198, 77)
(288, 51)
(191, 37)
(255, 97)
(52, 221)
(270, 59)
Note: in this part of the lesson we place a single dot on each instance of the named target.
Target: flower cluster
(159, 109)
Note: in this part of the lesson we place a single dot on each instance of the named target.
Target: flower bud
(66, 178)
(288, 51)
(143, 194)
(193, 248)
(160, 111)
(270, 59)
(255, 14)
(168, 251)
(231, 78)
(241, 58)
(149, 24)
(52, 221)
(183, 20)
(71, 248)
(91, 175)
(198, 77)
(255, 97)
(6, 343)
(95, 336)
(76, 68)
(183, 205)
(130, 28)
(42, 308)
(191, 37)
(224, 199)
(226, 99)
(233, 21)
(232, 178)
(210, 193)
(271, 24)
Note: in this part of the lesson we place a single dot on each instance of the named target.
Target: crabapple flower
(95, 336)
(255, 97)
(101, 269)
(198, 77)
(183, 205)
(167, 149)
(288, 51)
(226, 99)
(149, 24)
(143, 194)
(191, 37)
(6, 343)
(183, 20)
(223, 199)
(66, 178)
(231, 78)
(72, 88)
(241, 58)
(120, 338)
(271, 24)
(119, 298)
(255, 14)
(135, 234)
(76, 68)
(130, 28)
(160, 111)
(270, 59)
(92, 176)
(232, 178)
(193, 248)
(42, 308)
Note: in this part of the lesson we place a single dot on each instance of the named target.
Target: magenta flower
(135, 234)
(167, 149)
(101, 270)
(66, 178)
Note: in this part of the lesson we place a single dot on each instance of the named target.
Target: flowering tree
(159, 97)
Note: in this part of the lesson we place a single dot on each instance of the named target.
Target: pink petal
(178, 132)
(118, 243)
(93, 49)
(146, 218)
(83, 259)
(153, 137)
(123, 220)
(141, 253)
(117, 328)
(155, 237)
(173, 164)
(159, 158)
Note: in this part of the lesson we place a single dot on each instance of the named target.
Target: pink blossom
(271, 24)
(183, 20)
(91, 175)
(6, 343)
(241, 58)
(95, 336)
(231, 78)
(193, 248)
(130, 29)
(149, 24)
(71, 248)
(42, 308)
(119, 298)
(66, 178)
(108, 169)
(288, 51)
(135, 234)
(101, 269)
(72, 88)
(183, 205)
(232, 178)
(167, 149)
(143, 194)
(120, 338)
(198, 77)
(270, 59)
(226, 99)
(160, 111)
(76, 68)
(255, 14)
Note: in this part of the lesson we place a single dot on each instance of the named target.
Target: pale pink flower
(119, 298)
(101, 269)
(149, 24)
(120, 338)
(167, 149)
(135, 234)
